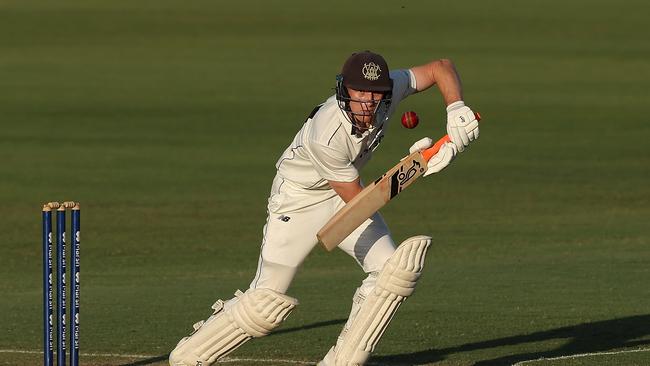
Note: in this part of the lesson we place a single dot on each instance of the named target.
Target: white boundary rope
(582, 355)
(120, 355)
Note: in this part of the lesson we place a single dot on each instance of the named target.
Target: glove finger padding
(442, 159)
(459, 138)
(421, 144)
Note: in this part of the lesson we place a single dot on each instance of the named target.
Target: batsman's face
(363, 105)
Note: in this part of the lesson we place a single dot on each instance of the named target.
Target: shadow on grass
(582, 338)
(310, 326)
(152, 360)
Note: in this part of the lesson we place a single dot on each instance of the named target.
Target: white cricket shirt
(326, 149)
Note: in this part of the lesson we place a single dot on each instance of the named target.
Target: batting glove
(462, 125)
(441, 159)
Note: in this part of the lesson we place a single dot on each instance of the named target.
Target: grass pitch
(164, 119)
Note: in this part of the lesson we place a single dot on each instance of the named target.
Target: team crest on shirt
(371, 71)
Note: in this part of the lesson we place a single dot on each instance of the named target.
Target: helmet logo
(371, 71)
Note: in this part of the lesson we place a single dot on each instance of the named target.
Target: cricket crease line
(120, 355)
(582, 355)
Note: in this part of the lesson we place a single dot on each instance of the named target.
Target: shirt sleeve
(332, 164)
(404, 84)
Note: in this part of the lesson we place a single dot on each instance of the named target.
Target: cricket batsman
(316, 175)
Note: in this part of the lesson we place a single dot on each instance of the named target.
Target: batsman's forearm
(448, 82)
(443, 73)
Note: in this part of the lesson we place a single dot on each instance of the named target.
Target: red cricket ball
(410, 119)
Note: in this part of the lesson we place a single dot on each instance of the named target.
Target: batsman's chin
(362, 120)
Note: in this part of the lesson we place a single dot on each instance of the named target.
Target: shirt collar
(350, 129)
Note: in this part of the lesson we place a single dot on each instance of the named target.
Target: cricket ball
(410, 119)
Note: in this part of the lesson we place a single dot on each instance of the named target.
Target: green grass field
(165, 118)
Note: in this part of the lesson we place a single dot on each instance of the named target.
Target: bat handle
(430, 152)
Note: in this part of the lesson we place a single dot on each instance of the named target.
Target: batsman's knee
(252, 314)
(402, 270)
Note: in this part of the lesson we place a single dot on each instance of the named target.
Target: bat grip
(430, 152)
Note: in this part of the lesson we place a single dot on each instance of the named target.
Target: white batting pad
(252, 314)
(395, 283)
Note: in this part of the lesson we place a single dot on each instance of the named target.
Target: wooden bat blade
(371, 199)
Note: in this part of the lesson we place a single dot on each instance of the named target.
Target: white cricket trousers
(290, 234)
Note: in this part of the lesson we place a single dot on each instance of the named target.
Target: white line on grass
(120, 355)
(582, 355)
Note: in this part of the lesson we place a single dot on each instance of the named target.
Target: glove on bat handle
(428, 153)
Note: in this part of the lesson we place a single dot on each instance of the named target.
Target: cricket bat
(376, 195)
